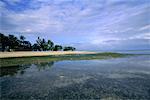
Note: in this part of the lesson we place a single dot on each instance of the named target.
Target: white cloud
(141, 36)
(147, 27)
(86, 20)
(39, 20)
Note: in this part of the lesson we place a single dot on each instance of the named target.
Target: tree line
(12, 43)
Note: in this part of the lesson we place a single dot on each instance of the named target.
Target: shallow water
(134, 51)
(119, 78)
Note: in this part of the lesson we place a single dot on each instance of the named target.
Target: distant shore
(40, 53)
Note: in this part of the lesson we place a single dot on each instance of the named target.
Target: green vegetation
(12, 43)
(5, 62)
(57, 48)
(69, 48)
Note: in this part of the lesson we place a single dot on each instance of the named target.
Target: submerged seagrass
(119, 78)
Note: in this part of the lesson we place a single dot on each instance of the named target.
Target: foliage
(12, 43)
(57, 48)
(69, 49)
(43, 45)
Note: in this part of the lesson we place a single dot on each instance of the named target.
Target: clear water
(134, 51)
(129, 51)
(119, 78)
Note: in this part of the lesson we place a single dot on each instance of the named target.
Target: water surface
(116, 78)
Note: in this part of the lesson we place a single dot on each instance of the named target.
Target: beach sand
(39, 53)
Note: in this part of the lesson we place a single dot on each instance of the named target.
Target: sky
(84, 24)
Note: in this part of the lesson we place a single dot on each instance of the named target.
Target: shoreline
(19, 58)
(19, 54)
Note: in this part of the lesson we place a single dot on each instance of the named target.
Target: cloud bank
(85, 24)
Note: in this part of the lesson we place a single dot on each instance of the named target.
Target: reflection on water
(43, 66)
(13, 70)
(120, 78)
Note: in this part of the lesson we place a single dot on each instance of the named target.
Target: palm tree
(69, 48)
(10, 42)
(39, 43)
(3, 42)
(13, 42)
(50, 45)
(22, 38)
(57, 48)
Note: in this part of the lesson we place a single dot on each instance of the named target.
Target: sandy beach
(39, 53)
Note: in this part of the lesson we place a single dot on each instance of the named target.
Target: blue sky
(85, 24)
